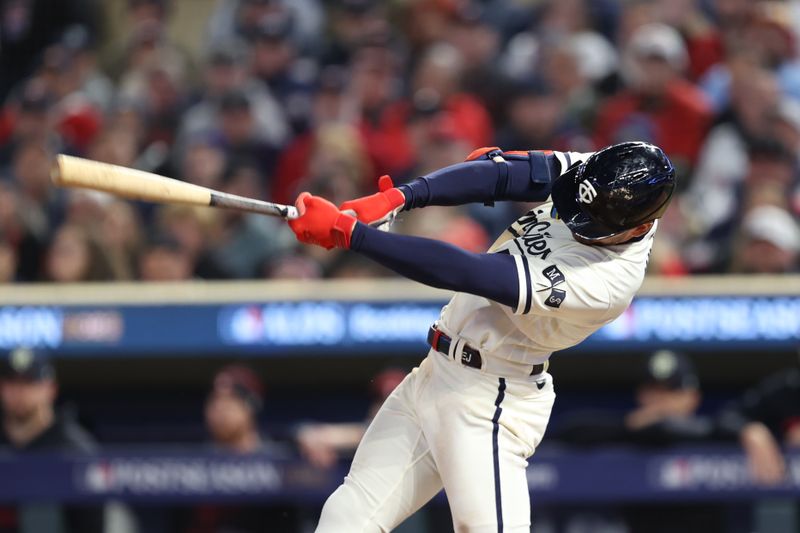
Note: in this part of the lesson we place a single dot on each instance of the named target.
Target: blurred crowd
(267, 98)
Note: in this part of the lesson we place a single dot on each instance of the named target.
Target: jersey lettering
(535, 235)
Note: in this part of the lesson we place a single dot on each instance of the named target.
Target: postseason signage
(359, 328)
(715, 474)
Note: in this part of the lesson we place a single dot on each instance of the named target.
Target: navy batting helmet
(614, 190)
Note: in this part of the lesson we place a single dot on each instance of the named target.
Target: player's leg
(392, 474)
(481, 432)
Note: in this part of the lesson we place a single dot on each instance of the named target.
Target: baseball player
(468, 418)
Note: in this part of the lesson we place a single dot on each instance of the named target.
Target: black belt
(469, 355)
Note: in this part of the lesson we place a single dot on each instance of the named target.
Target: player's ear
(641, 229)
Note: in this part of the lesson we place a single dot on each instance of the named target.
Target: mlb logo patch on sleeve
(556, 298)
(553, 274)
(555, 277)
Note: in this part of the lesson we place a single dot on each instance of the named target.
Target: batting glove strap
(379, 208)
(342, 230)
(493, 153)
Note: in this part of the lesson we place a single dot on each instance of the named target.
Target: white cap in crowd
(774, 225)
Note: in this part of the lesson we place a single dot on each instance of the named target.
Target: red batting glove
(380, 207)
(321, 223)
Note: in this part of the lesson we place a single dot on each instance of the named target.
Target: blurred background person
(234, 402)
(667, 401)
(768, 243)
(31, 423)
(765, 421)
(325, 444)
(659, 104)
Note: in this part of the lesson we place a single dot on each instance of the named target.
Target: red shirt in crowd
(677, 121)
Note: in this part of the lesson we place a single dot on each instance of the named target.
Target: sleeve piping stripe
(569, 159)
(529, 292)
(519, 247)
(521, 301)
(562, 162)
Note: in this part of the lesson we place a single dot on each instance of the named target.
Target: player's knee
(347, 509)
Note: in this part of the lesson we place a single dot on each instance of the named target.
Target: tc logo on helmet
(586, 192)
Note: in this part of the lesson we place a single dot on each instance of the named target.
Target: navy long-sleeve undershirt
(521, 177)
(441, 265)
(524, 178)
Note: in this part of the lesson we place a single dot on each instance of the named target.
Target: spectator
(658, 105)
(239, 135)
(75, 256)
(121, 237)
(276, 62)
(31, 172)
(8, 262)
(29, 27)
(667, 400)
(27, 117)
(324, 444)
(440, 72)
(769, 242)
(328, 107)
(723, 160)
(165, 259)
(237, 19)
(225, 74)
(28, 391)
(241, 243)
(769, 178)
(578, 71)
(536, 119)
(353, 23)
(377, 107)
(204, 162)
(193, 229)
(293, 266)
(231, 414)
(763, 29)
(24, 229)
(338, 165)
(236, 398)
(765, 419)
(704, 40)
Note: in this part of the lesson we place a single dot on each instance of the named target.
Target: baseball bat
(69, 171)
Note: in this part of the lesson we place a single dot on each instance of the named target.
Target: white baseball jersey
(471, 432)
(567, 290)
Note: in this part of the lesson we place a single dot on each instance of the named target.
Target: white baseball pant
(448, 426)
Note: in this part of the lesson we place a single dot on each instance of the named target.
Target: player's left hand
(321, 223)
(377, 209)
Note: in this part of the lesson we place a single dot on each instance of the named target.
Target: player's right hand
(379, 208)
(321, 223)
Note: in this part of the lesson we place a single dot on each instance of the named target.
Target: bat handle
(291, 213)
(222, 199)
